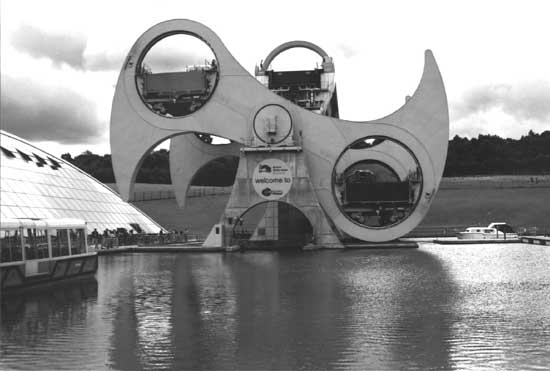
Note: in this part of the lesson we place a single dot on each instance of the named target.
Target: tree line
(484, 155)
(493, 155)
(155, 169)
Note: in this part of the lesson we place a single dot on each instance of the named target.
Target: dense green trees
(491, 154)
(156, 169)
(484, 155)
(100, 167)
(220, 172)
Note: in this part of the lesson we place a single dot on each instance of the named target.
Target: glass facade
(60, 242)
(35, 184)
(10, 246)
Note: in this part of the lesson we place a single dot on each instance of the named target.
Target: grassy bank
(522, 201)
(199, 215)
(525, 207)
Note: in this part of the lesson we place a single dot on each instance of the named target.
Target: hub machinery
(368, 180)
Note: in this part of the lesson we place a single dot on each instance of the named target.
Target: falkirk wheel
(330, 179)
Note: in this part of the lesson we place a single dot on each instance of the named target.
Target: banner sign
(272, 179)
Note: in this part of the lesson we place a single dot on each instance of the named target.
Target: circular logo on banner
(272, 179)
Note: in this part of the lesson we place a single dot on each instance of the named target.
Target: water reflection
(431, 308)
(46, 323)
(140, 303)
(402, 311)
(286, 311)
(502, 315)
(291, 311)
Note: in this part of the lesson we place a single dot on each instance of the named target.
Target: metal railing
(142, 239)
(488, 182)
(194, 191)
(153, 195)
(199, 191)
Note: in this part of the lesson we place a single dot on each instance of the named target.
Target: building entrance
(272, 225)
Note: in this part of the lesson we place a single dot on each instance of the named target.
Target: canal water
(436, 307)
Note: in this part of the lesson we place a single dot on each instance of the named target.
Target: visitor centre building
(35, 184)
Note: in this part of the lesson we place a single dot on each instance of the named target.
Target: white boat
(495, 231)
(37, 251)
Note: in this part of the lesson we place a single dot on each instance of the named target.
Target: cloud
(159, 59)
(347, 50)
(525, 101)
(48, 113)
(104, 61)
(164, 60)
(58, 47)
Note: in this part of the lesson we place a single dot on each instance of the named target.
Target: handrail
(198, 191)
(142, 239)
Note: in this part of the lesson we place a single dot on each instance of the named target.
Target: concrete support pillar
(300, 195)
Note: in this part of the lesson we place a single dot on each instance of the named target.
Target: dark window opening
(7, 152)
(54, 164)
(136, 227)
(24, 156)
(41, 162)
(367, 143)
(504, 228)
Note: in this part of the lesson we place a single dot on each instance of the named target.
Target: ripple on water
(429, 308)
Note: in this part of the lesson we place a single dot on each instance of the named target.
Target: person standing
(95, 238)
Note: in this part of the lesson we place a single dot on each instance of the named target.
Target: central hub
(272, 124)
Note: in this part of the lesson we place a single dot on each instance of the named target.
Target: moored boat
(495, 231)
(37, 251)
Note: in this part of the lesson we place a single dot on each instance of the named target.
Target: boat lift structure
(286, 122)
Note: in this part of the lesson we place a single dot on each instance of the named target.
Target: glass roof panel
(43, 192)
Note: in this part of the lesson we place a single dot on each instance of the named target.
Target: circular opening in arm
(177, 75)
(377, 182)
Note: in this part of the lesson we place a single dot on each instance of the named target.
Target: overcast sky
(60, 60)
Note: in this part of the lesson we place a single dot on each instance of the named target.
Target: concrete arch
(295, 44)
(269, 233)
(188, 154)
(127, 191)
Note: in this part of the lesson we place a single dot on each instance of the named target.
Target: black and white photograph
(287, 185)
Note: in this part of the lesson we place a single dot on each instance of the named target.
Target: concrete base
(475, 242)
(215, 237)
(397, 244)
(158, 249)
(536, 240)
